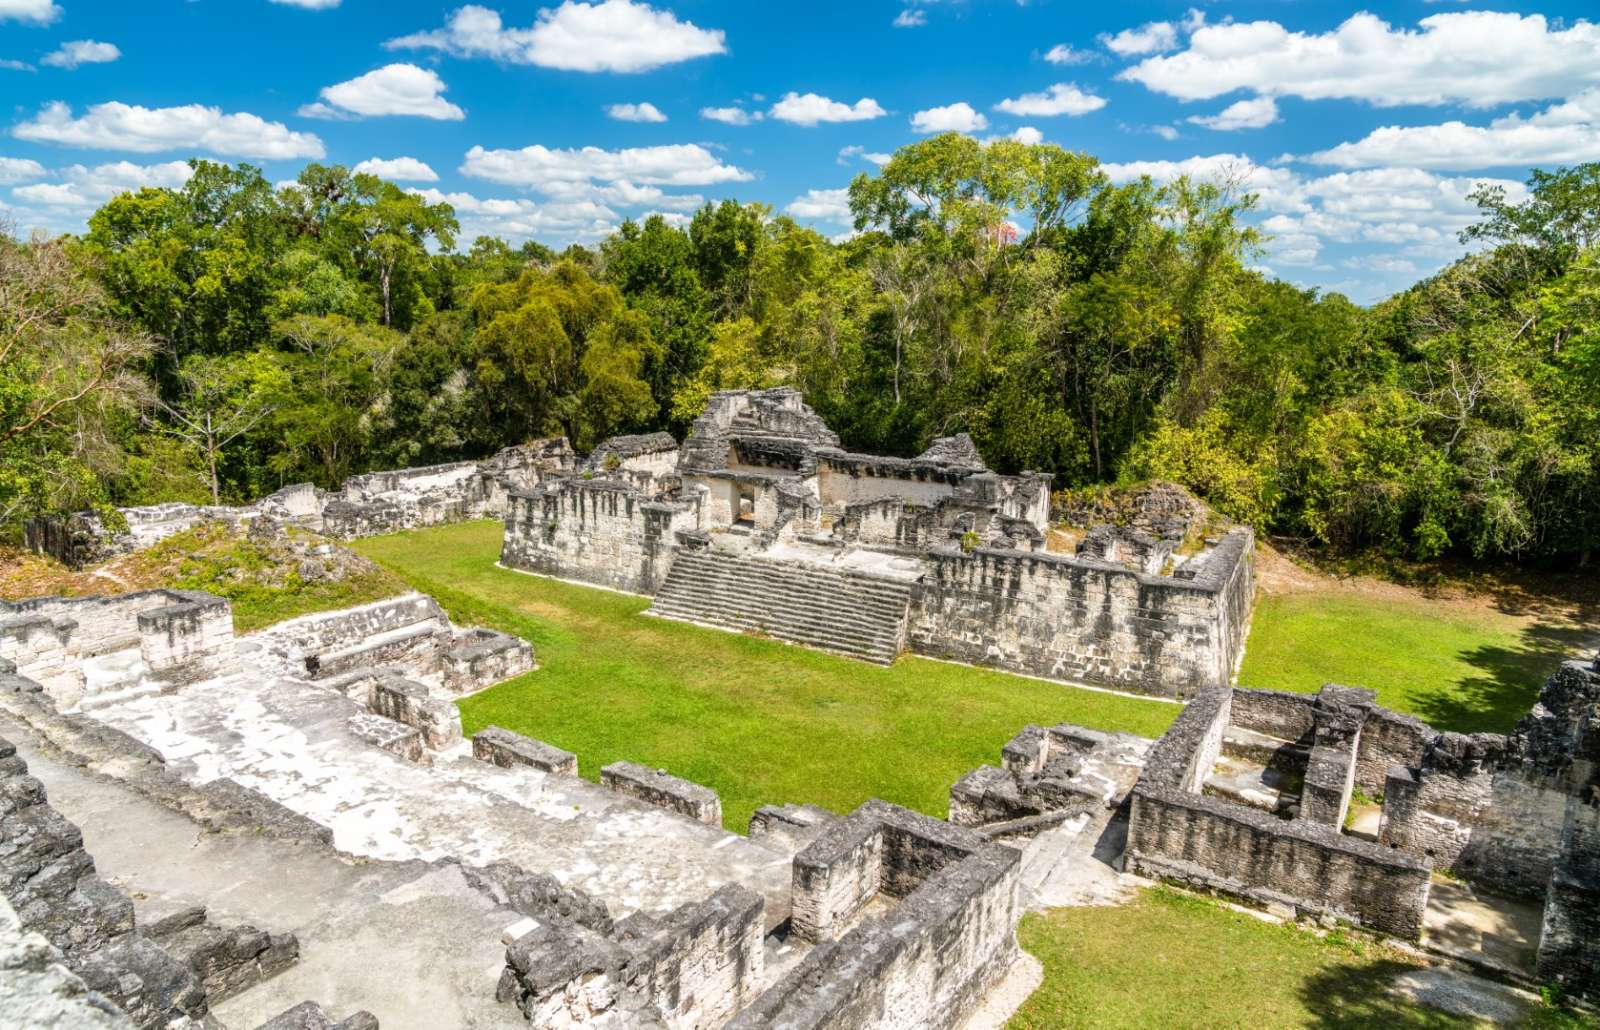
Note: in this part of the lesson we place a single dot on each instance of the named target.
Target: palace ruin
(761, 522)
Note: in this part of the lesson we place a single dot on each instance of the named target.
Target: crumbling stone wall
(928, 963)
(1049, 615)
(599, 531)
(694, 967)
(1308, 866)
(364, 505)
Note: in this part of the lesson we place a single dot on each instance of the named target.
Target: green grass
(1173, 959)
(1458, 669)
(761, 722)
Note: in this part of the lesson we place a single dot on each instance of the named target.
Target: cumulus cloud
(827, 205)
(38, 12)
(684, 164)
(1255, 113)
(19, 169)
(1414, 211)
(523, 219)
(400, 169)
(644, 112)
(1062, 98)
(811, 109)
(83, 189)
(1063, 53)
(1150, 38)
(80, 52)
(848, 154)
(1478, 58)
(911, 18)
(957, 117)
(1029, 135)
(396, 89)
(731, 115)
(1566, 133)
(613, 36)
(119, 126)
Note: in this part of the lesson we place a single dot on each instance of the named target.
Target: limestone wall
(929, 961)
(598, 531)
(1054, 616)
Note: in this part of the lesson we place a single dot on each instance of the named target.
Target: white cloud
(1062, 98)
(1150, 38)
(1567, 133)
(1063, 53)
(731, 115)
(684, 164)
(40, 12)
(521, 219)
(1029, 135)
(1254, 113)
(310, 5)
(643, 112)
(613, 36)
(1479, 58)
(81, 51)
(85, 189)
(395, 89)
(827, 205)
(847, 154)
(401, 169)
(911, 18)
(119, 126)
(19, 169)
(810, 109)
(1166, 132)
(957, 117)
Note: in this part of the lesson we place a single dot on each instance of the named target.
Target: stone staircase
(850, 614)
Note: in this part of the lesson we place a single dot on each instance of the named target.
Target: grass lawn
(1455, 667)
(1173, 959)
(759, 721)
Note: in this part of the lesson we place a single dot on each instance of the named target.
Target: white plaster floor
(287, 739)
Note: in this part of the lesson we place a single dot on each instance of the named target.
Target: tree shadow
(1357, 995)
(1507, 679)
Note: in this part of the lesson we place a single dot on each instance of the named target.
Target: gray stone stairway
(847, 613)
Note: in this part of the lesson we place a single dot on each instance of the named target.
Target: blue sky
(1362, 127)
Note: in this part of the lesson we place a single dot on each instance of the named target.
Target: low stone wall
(408, 703)
(1175, 832)
(481, 658)
(694, 967)
(504, 748)
(929, 962)
(1277, 713)
(364, 505)
(1389, 739)
(1064, 618)
(598, 531)
(189, 640)
(654, 787)
(394, 737)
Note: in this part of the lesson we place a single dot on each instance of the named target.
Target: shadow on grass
(1507, 681)
(1354, 996)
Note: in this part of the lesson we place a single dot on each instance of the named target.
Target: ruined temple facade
(761, 522)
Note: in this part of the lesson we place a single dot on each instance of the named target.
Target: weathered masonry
(364, 505)
(761, 522)
(1248, 792)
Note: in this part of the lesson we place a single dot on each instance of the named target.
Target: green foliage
(1096, 331)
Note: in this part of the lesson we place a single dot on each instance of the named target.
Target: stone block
(656, 787)
(396, 738)
(504, 748)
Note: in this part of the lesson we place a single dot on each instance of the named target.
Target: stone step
(811, 605)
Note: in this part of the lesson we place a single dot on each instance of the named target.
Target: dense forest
(217, 341)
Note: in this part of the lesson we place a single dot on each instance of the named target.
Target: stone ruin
(760, 522)
(268, 807)
(365, 505)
